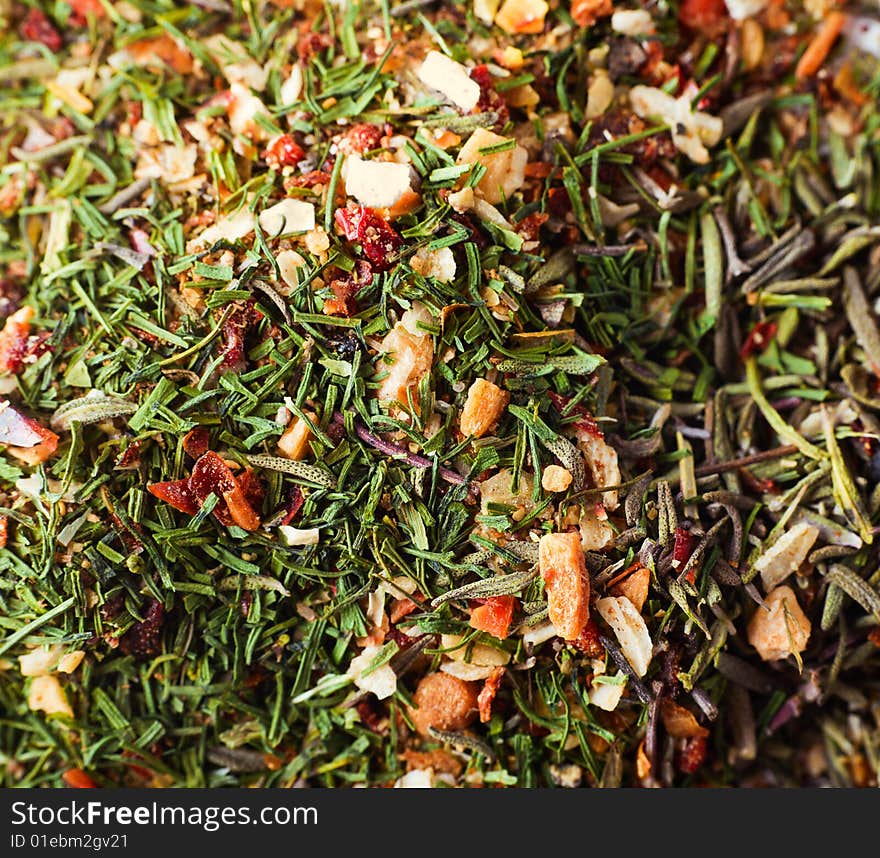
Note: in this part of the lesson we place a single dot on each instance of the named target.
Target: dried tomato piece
(14, 340)
(26, 439)
(177, 493)
(379, 240)
(758, 339)
(36, 27)
(144, 639)
(283, 151)
(487, 693)
(211, 475)
(361, 138)
(196, 442)
(494, 616)
(706, 16)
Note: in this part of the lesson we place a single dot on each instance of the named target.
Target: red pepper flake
(489, 99)
(692, 755)
(294, 505)
(379, 241)
(235, 329)
(283, 151)
(758, 339)
(361, 138)
(4, 530)
(487, 694)
(369, 710)
(310, 44)
(682, 548)
(589, 642)
(78, 779)
(585, 423)
(36, 27)
(211, 475)
(177, 494)
(144, 639)
(530, 226)
(196, 442)
(345, 288)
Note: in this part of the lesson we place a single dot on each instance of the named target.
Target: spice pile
(479, 393)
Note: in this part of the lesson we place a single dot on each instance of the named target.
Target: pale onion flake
(382, 681)
(786, 554)
(286, 217)
(293, 536)
(630, 630)
(691, 130)
(377, 184)
(449, 78)
(742, 9)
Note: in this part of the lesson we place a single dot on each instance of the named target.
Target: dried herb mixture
(474, 393)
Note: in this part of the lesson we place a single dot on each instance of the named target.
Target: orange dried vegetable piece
(443, 702)
(295, 443)
(818, 49)
(487, 694)
(484, 406)
(561, 561)
(494, 616)
(522, 16)
(635, 585)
